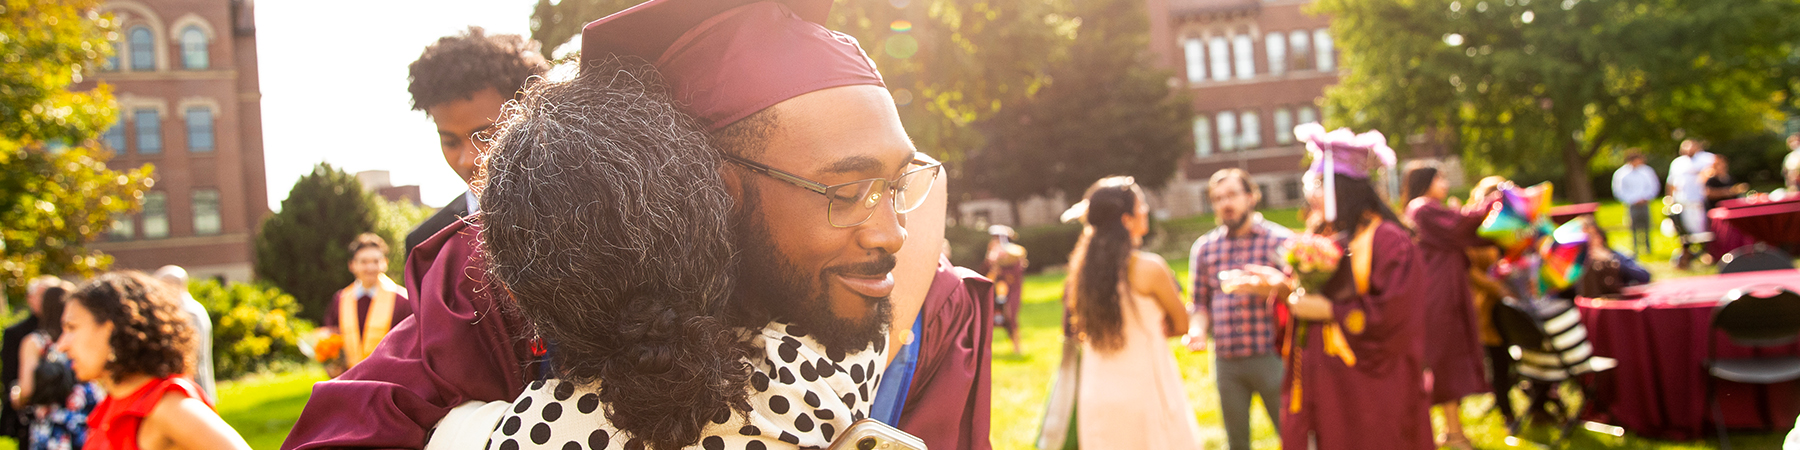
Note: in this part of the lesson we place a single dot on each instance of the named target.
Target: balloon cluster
(1536, 256)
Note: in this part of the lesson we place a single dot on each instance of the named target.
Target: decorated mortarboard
(1564, 255)
(1343, 152)
(727, 59)
(1518, 219)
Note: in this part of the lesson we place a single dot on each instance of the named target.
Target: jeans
(1237, 379)
(1640, 228)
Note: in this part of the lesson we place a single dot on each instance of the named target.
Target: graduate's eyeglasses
(851, 204)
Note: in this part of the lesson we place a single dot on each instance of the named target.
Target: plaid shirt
(1242, 325)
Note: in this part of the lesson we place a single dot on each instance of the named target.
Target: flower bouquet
(328, 349)
(1314, 259)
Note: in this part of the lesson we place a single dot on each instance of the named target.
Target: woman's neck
(125, 385)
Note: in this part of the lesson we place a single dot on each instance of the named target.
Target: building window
(1196, 62)
(1252, 137)
(114, 137)
(1284, 126)
(206, 212)
(121, 228)
(143, 49)
(156, 215)
(1300, 50)
(200, 129)
(193, 49)
(1322, 42)
(149, 132)
(1291, 189)
(1276, 43)
(1308, 115)
(1203, 145)
(112, 61)
(1227, 131)
(1220, 54)
(1245, 54)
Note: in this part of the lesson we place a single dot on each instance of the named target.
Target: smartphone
(869, 434)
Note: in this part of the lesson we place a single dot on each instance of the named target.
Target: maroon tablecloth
(1739, 222)
(1658, 333)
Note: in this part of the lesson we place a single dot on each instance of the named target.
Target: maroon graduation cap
(727, 59)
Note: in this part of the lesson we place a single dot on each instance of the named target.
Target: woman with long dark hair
(1453, 344)
(1124, 309)
(1354, 376)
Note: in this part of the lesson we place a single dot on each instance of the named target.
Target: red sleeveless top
(113, 425)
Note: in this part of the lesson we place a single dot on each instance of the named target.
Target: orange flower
(327, 350)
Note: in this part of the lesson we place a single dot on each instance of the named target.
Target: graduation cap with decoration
(727, 59)
(1343, 152)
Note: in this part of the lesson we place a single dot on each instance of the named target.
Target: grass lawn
(264, 408)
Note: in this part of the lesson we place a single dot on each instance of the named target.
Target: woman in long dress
(1125, 309)
(1453, 350)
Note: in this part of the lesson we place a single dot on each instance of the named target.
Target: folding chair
(1549, 353)
(1755, 257)
(1753, 317)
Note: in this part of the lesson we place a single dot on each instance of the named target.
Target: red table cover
(1658, 333)
(1740, 222)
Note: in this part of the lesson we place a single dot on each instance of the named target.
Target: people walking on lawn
(1239, 324)
(1125, 309)
(1355, 372)
(360, 315)
(1453, 353)
(461, 82)
(202, 371)
(1635, 184)
(126, 331)
(1006, 265)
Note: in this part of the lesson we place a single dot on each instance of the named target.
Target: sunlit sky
(334, 86)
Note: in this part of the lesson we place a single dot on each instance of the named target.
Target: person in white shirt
(1790, 166)
(1635, 184)
(1686, 189)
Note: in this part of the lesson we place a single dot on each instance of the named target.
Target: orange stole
(362, 334)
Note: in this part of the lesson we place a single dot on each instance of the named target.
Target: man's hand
(1254, 279)
(1197, 340)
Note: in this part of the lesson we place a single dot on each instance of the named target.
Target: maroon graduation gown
(1380, 403)
(1453, 350)
(457, 347)
(948, 403)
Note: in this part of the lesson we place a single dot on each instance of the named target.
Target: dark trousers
(1640, 228)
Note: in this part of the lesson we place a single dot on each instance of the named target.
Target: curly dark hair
(151, 336)
(605, 218)
(1102, 256)
(458, 66)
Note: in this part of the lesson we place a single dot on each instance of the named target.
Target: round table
(1658, 333)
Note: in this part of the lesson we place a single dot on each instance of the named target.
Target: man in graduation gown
(461, 81)
(463, 345)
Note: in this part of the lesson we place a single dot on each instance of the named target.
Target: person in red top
(126, 331)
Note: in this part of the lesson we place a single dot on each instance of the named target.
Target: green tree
(555, 24)
(394, 220)
(1106, 110)
(303, 249)
(56, 193)
(1541, 88)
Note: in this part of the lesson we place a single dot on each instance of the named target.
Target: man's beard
(771, 287)
(1234, 226)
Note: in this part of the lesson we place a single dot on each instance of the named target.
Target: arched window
(193, 49)
(143, 49)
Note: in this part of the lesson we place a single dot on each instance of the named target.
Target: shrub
(254, 327)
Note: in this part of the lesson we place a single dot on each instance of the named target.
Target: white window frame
(1194, 53)
(1250, 129)
(1322, 48)
(1243, 53)
(156, 215)
(1203, 142)
(1276, 45)
(1219, 54)
(1284, 126)
(1300, 50)
(208, 219)
(1227, 122)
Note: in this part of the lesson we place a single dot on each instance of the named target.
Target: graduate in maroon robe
(1453, 351)
(461, 345)
(1354, 377)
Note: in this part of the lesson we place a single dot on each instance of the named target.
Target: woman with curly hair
(126, 331)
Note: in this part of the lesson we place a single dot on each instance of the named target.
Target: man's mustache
(881, 266)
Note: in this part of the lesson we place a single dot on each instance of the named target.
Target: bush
(254, 327)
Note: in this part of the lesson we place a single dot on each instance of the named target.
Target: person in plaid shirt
(1241, 324)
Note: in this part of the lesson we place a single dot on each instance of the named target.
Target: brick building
(1255, 68)
(185, 76)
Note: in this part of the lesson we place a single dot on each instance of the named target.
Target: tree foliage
(56, 193)
(304, 249)
(555, 24)
(1541, 88)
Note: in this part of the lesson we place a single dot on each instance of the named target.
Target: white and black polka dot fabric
(799, 397)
